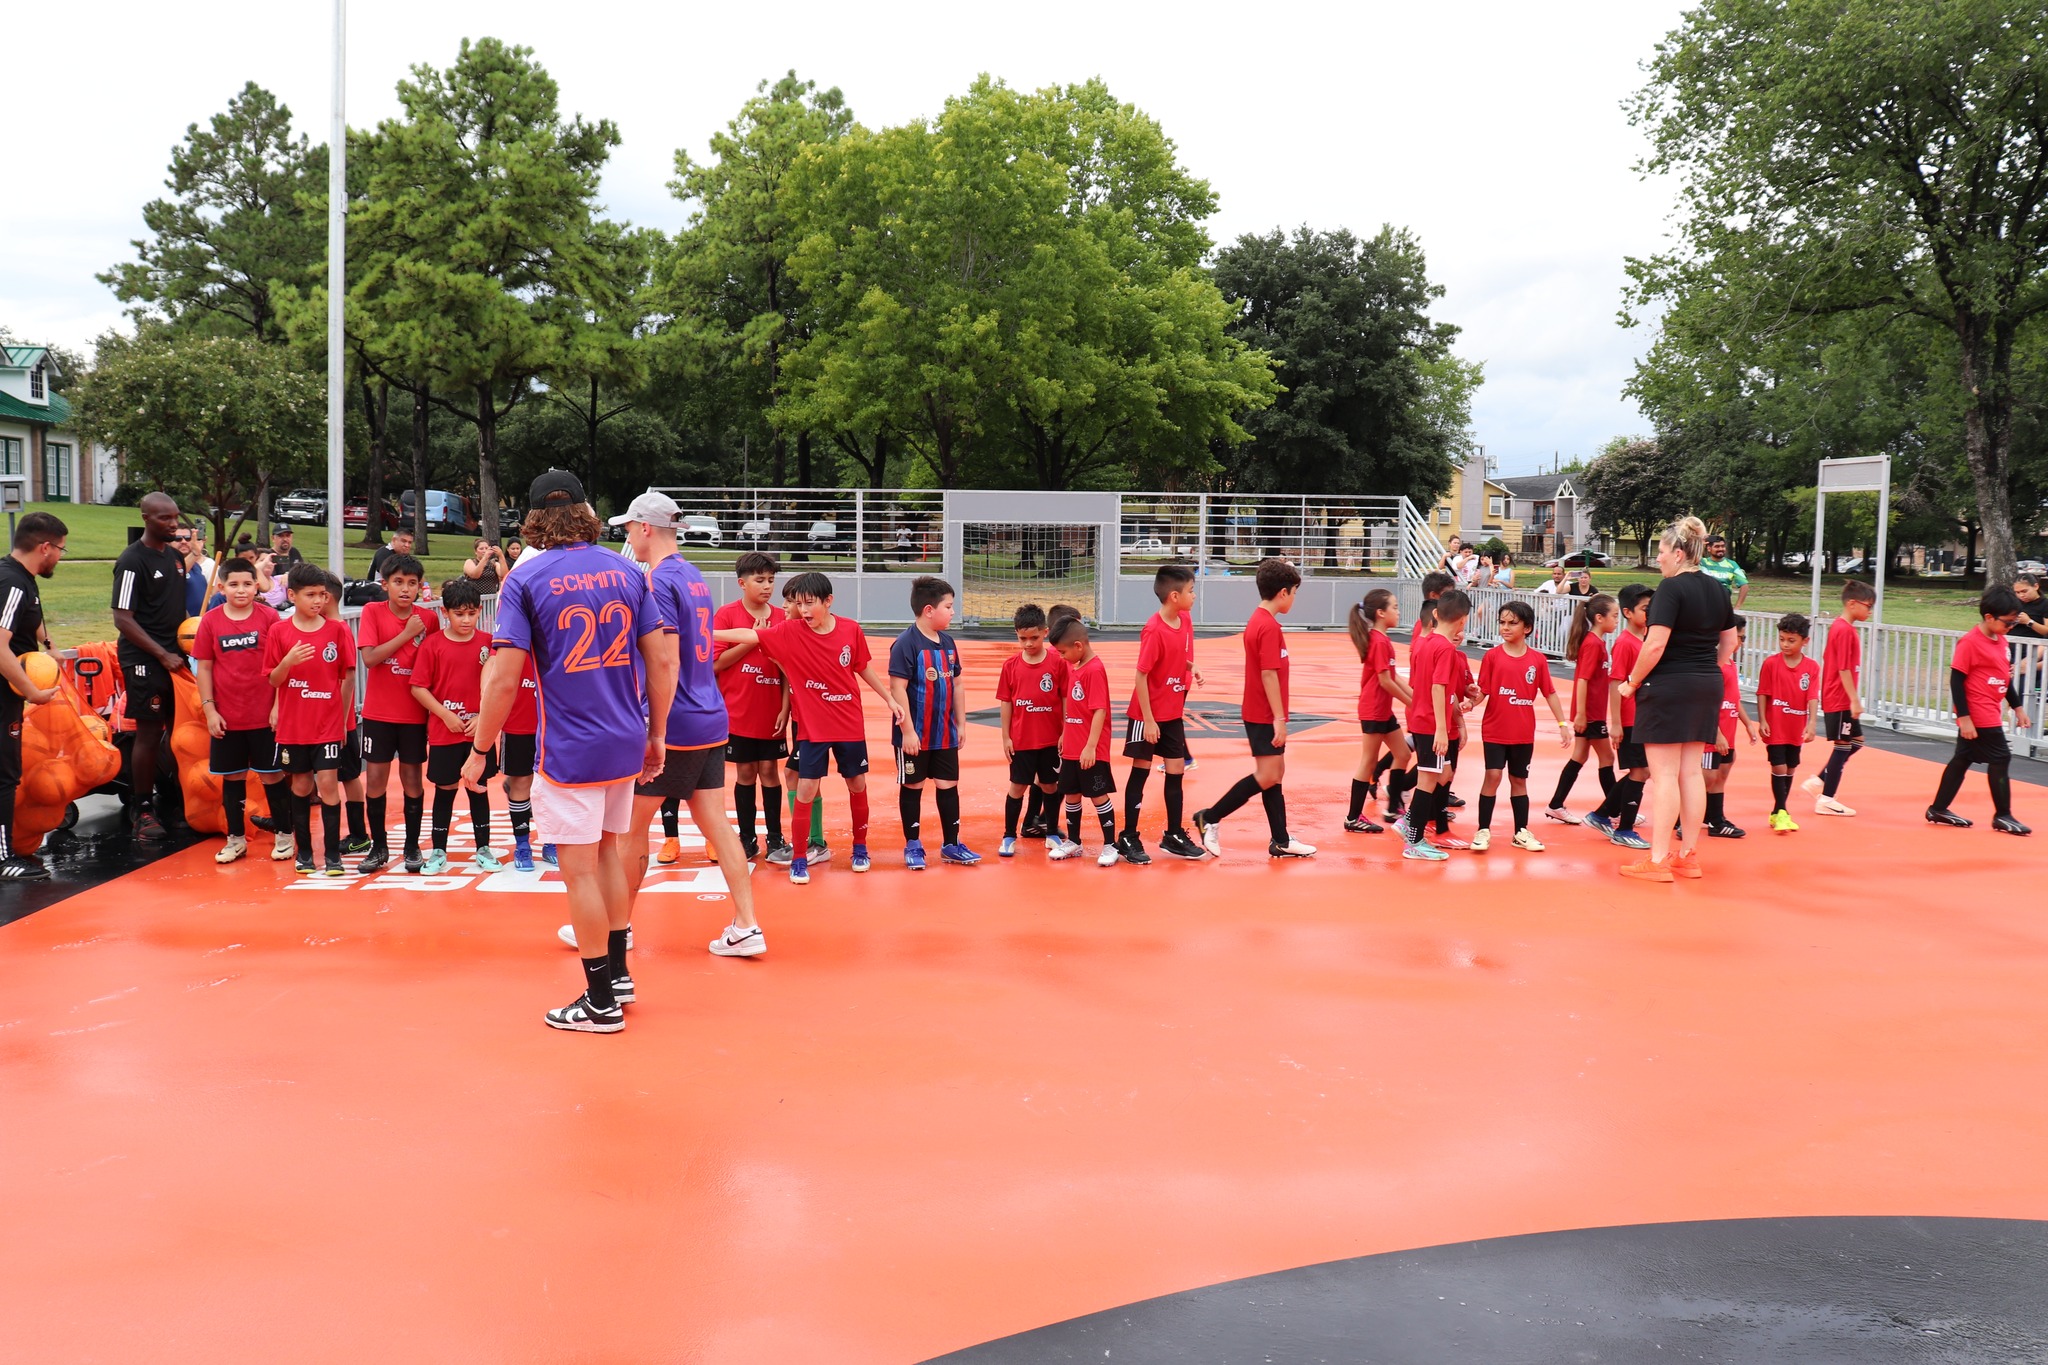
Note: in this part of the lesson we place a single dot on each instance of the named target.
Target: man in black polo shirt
(149, 606)
(38, 546)
(283, 554)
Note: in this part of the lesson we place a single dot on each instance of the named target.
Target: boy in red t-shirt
(518, 759)
(448, 685)
(388, 636)
(1787, 691)
(1616, 816)
(1981, 684)
(235, 696)
(1719, 760)
(1084, 743)
(756, 708)
(1166, 673)
(310, 659)
(1437, 677)
(1841, 696)
(1264, 710)
(1029, 690)
(1512, 677)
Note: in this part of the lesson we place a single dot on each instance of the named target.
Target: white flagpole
(337, 285)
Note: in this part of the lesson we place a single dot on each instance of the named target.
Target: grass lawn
(1942, 603)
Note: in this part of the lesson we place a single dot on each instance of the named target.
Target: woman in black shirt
(1677, 685)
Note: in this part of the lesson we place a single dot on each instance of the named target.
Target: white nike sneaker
(1827, 805)
(738, 942)
(1109, 857)
(234, 848)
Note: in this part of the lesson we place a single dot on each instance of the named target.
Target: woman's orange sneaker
(1685, 865)
(1646, 870)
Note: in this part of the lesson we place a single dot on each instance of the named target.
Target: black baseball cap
(556, 488)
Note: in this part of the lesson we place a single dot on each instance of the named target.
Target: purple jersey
(580, 611)
(697, 720)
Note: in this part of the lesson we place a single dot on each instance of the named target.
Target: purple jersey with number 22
(580, 611)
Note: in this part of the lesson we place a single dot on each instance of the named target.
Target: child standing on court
(1981, 685)
(1719, 761)
(1378, 689)
(394, 728)
(1156, 728)
(448, 684)
(1787, 691)
(1029, 689)
(518, 759)
(1264, 710)
(756, 707)
(1616, 817)
(1597, 616)
(1084, 744)
(1841, 696)
(311, 660)
(235, 696)
(1511, 678)
(924, 681)
(1437, 676)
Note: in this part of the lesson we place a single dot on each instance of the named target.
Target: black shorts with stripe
(1172, 741)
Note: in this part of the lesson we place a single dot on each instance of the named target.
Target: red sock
(857, 807)
(799, 821)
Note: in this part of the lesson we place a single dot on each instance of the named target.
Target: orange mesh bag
(192, 747)
(96, 676)
(64, 754)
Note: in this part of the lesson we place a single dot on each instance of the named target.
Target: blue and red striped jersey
(930, 670)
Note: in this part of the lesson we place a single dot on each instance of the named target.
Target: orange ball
(187, 633)
(41, 668)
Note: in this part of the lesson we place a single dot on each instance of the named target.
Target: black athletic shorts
(351, 766)
(685, 772)
(1988, 747)
(939, 765)
(1712, 759)
(1513, 757)
(1629, 754)
(1430, 759)
(1035, 767)
(814, 757)
(517, 755)
(312, 758)
(243, 751)
(394, 741)
(1378, 727)
(444, 764)
(1172, 743)
(748, 749)
(1782, 755)
(148, 684)
(1595, 729)
(1842, 727)
(1094, 782)
(1261, 737)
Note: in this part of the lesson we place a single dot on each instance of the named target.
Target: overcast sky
(1494, 130)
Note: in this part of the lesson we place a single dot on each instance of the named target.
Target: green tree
(1374, 399)
(1887, 156)
(214, 420)
(1634, 489)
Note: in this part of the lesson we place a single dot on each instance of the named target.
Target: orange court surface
(249, 1118)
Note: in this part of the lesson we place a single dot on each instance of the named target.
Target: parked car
(1581, 559)
(355, 514)
(700, 530)
(1852, 566)
(757, 531)
(822, 533)
(445, 511)
(2032, 566)
(1148, 545)
(307, 506)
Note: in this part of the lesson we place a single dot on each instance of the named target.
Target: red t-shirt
(1842, 654)
(1429, 661)
(1374, 701)
(1987, 674)
(387, 691)
(823, 691)
(241, 686)
(452, 671)
(317, 701)
(1784, 691)
(1591, 666)
(753, 686)
(1731, 702)
(1032, 691)
(524, 717)
(1166, 656)
(1512, 686)
(1087, 692)
(1265, 650)
(1620, 663)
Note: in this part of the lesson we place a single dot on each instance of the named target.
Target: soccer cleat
(779, 853)
(1109, 857)
(1363, 826)
(1008, 848)
(1725, 829)
(282, 846)
(1059, 848)
(1449, 844)
(1482, 840)
(1293, 848)
(1599, 824)
(1827, 805)
(799, 872)
(1686, 865)
(1395, 810)
(1425, 853)
(304, 866)
(413, 861)
(671, 852)
(622, 990)
(1132, 849)
(1941, 815)
(750, 847)
(335, 868)
(1813, 786)
(820, 853)
(436, 862)
(959, 854)
(1454, 802)
(1177, 843)
(1628, 838)
(359, 845)
(2005, 824)
(264, 823)
(1561, 815)
(1527, 842)
(567, 933)
(1782, 822)
(580, 1016)
(379, 859)
(233, 849)
(913, 855)
(149, 829)
(487, 861)
(1034, 832)
(19, 867)
(547, 855)
(522, 856)
(1210, 832)
(860, 861)
(738, 942)
(1646, 870)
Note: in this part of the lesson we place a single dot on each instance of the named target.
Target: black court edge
(1790, 1291)
(80, 864)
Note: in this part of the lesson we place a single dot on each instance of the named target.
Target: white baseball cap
(656, 509)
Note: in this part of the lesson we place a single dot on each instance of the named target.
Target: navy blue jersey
(929, 669)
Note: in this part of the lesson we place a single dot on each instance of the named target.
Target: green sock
(818, 819)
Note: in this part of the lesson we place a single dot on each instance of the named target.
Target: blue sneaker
(799, 872)
(860, 861)
(547, 855)
(1425, 853)
(1628, 838)
(1600, 824)
(913, 855)
(436, 863)
(1009, 848)
(959, 853)
(522, 856)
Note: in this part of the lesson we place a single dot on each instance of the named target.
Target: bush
(1493, 547)
(126, 495)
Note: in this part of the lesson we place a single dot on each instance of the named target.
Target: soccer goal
(1005, 564)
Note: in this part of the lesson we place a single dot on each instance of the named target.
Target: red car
(356, 513)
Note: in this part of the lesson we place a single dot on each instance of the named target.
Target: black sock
(1399, 784)
(947, 799)
(1781, 791)
(1717, 808)
(1952, 778)
(377, 806)
(1013, 806)
(1105, 815)
(521, 815)
(669, 827)
(1606, 780)
(1631, 794)
(1443, 805)
(1999, 775)
(597, 982)
(910, 806)
(1134, 797)
(1485, 811)
(415, 807)
(743, 809)
(302, 825)
(480, 817)
(615, 950)
(1034, 807)
(444, 815)
(330, 822)
(1565, 780)
(278, 796)
(771, 807)
(1359, 791)
(1245, 789)
(1074, 819)
(1831, 774)
(358, 826)
(1275, 802)
(234, 794)
(1520, 806)
(1386, 762)
(1171, 785)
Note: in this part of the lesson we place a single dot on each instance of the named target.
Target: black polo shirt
(151, 584)
(21, 607)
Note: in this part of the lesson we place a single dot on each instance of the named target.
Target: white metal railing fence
(861, 530)
(487, 622)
